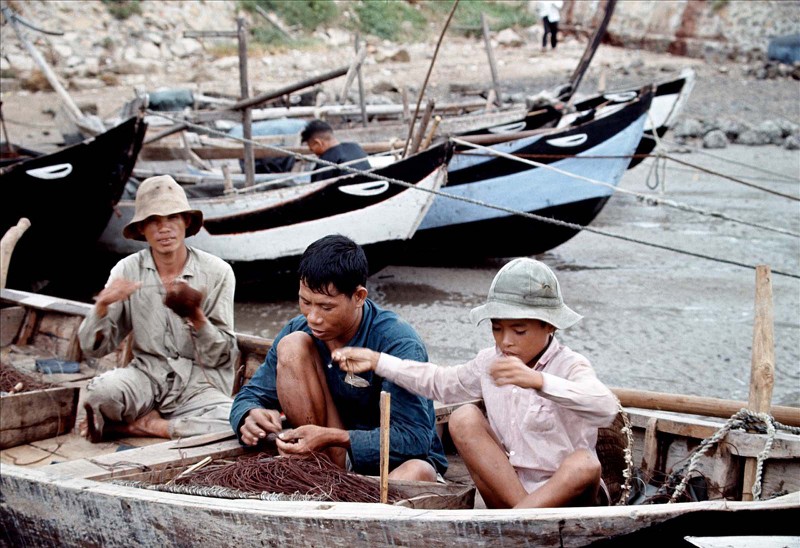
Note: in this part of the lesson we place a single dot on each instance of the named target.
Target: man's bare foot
(89, 429)
(148, 425)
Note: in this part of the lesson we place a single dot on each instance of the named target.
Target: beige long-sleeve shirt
(177, 360)
(537, 428)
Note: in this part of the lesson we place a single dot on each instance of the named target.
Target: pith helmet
(526, 289)
(162, 196)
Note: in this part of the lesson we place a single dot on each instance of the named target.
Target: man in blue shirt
(319, 138)
(329, 414)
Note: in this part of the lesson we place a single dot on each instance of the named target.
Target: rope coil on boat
(744, 419)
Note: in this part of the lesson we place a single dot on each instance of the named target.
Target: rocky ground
(733, 96)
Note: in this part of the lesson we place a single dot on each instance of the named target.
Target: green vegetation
(499, 14)
(388, 19)
(122, 9)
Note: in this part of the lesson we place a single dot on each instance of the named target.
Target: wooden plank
(650, 449)
(11, 319)
(37, 415)
(57, 334)
(747, 444)
(44, 302)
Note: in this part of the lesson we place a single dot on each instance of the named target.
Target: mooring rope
(698, 150)
(649, 198)
(743, 419)
(533, 216)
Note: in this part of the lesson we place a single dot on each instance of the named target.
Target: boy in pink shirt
(535, 447)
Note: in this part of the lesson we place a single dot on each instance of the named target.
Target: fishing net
(11, 379)
(315, 477)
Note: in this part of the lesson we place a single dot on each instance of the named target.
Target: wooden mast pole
(247, 115)
(762, 366)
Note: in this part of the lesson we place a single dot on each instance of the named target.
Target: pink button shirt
(538, 428)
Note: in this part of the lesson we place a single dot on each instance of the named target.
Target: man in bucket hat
(536, 445)
(179, 381)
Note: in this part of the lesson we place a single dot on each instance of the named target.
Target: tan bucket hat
(162, 196)
(526, 289)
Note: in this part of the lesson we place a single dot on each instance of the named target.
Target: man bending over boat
(179, 381)
(319, 138)
(327, 413)
(536, 445)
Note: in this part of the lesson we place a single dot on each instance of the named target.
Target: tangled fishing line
(11, 378)
(314, 476)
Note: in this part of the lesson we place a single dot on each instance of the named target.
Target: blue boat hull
(599, 150)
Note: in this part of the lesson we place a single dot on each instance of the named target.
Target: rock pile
(719, 133)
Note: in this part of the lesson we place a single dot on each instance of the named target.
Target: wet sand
(653, 319)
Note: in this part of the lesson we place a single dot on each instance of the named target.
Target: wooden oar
(386, 403)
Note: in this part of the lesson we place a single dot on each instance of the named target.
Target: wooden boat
(65, 491)
(598, 148)
(68, 196)
(276, 224)
(669, 98)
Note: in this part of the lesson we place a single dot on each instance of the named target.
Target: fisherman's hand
(309, 438)
(512, 370)
(186, 302)
(118, 290)
(258, 424)
(356, 360)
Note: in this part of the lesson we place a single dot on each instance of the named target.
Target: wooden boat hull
(76, 502)
(68, 196)
(599, 150)
(93, 513)
(279, 224)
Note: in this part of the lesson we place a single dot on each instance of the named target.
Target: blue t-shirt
(413, 421)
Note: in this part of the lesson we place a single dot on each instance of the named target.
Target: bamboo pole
(490, 55)
(427, 76)
(762, 366)
(362, 102)
(247, 115)
(307, 83)
(427, 142)
(697, 405)
(386, 403)
(423, 125)
(81, 120)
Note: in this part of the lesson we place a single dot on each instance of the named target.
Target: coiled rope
(743, 419)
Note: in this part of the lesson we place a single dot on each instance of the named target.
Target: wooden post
(762, 366)
(247, 115)
(351, 73)
(423, 125)
(386, 403)
(7, 244)
(490, 54)
(361, 97)
(427, 142)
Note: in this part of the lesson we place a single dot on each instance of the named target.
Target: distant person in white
(549, 12)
